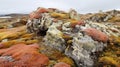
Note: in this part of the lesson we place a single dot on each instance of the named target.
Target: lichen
(54, 38)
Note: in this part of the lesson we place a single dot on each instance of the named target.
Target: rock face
(54, 38)
(77, 39)
(22, 55)
(40, 25)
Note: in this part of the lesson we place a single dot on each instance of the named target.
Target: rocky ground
(49, 37)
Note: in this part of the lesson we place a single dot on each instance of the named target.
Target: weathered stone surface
(79, 40)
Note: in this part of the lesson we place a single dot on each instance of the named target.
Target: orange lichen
(24, 55)
(74, 23)
(41, 10)
(34, 15)
(96, 34)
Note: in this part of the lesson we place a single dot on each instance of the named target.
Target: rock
(55, 55)
(81, 48)
(54, 39)
(39, 26)
(74, 15)
(62, 64)
(82, 41)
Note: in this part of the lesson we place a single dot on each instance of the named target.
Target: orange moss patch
(24, 55)
(96, 34)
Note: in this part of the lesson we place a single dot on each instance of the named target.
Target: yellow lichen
(109, 60)
(59, 15)
(66, 60)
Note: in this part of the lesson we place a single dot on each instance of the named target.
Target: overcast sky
(83, 6)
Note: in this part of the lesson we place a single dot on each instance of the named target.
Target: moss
(109, 61)
(114, 19)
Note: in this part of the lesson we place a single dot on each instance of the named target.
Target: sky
(82, 6)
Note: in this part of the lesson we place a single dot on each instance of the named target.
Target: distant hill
(14, 15)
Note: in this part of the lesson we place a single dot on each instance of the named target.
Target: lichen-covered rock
(82, 41)
(55, 55)
(39, 26)
(81, 49)
(98, 18)
(23, 55)
(54, 38)
(109, 16)
(107, 28)
(74, 15)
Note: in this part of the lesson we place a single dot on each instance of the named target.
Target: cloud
(82, 6)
